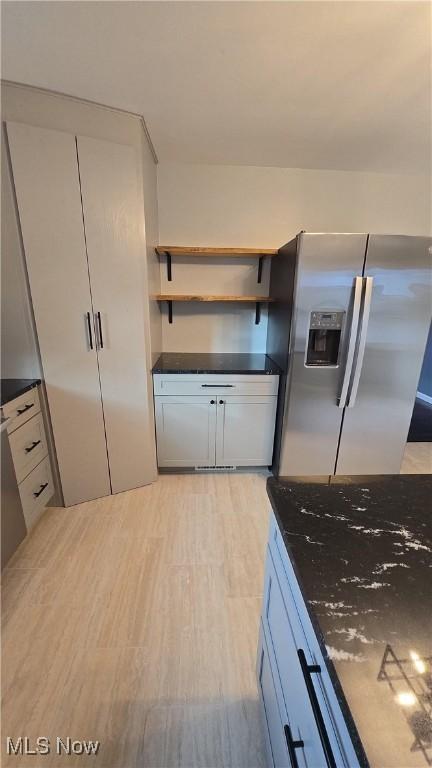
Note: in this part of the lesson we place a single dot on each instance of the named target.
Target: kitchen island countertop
(361, 548)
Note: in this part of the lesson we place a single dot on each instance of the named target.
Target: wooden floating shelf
(192, 250)
(176, 250)
(170, 297)
(202, 297)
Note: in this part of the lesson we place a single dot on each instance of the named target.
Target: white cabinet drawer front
(200, 384)
(28, 446)
(36, 491)
(185, 428)
(279, 631)
(22, 409)
(284, 607)
(274, 718)
(245, 430)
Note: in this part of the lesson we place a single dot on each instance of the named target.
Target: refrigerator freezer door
(375, 427)
(327, 267)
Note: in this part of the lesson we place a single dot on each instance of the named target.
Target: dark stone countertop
(362, 551)
(207, 362)
(12, 388)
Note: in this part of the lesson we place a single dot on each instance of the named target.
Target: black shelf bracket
(169, 311)
(260, 268)
(257, 313)
(169, 266)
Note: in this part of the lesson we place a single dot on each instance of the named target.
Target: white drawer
(287, 622)
(36, 491)
(202, 384)
(22, 409)
(28, 446)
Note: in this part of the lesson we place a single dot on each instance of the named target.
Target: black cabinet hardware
(308, 670)
(217, 386)
(169, 311)
(32, 446)
(41, 490)
(26, 408)
(221, 402)
(292, 745)
(212, 402)
(98, 314)
(89, 330)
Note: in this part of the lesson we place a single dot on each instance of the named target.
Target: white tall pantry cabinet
(83, 237)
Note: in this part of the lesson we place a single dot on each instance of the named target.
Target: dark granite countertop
(12, 388)
(207, 362)
(362, 551)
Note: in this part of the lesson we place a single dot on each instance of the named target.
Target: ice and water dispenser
(325, 332)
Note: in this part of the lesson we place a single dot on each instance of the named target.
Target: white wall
(264, 207)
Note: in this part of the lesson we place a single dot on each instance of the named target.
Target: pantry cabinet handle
(89, 330)
(308, 670)
(98, 315)
(32, 447)
(292, 745)
(23, 410)
(41, 490)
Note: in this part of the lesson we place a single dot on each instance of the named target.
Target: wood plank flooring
(134, 620)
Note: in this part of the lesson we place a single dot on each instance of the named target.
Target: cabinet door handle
(99, 322)
(23, 410)
(212, 402)
(217, 386)
(292, 745)
(41, 490)
(32, 446)
(308, 670)
(221, 402)
(89, 330)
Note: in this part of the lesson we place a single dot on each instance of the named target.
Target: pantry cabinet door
(186, 431)
(245, 430)
(45, 173)
(114, 227)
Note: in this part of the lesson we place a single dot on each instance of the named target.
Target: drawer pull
(292, 745)
(41, 490)
(26, 408)
(308, 670)
(32, 446)
(218, 386)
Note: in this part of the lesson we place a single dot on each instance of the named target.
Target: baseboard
(425, 398)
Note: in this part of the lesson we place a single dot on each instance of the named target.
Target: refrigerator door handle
(362, 341)
(358, 289)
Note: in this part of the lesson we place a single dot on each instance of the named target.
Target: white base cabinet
(304, 724)
(29, 451)
(199, 425)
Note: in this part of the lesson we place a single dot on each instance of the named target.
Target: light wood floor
(134, 620)
(417, 459)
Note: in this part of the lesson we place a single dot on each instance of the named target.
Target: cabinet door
(185, 429)
(114, 227)
(47, 187)
(274, 721)
(245, 430)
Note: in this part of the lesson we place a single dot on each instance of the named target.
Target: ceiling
(341, 85)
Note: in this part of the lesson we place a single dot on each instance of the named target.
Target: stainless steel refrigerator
(349, 328)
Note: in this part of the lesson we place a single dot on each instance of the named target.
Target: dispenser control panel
(326, 320)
